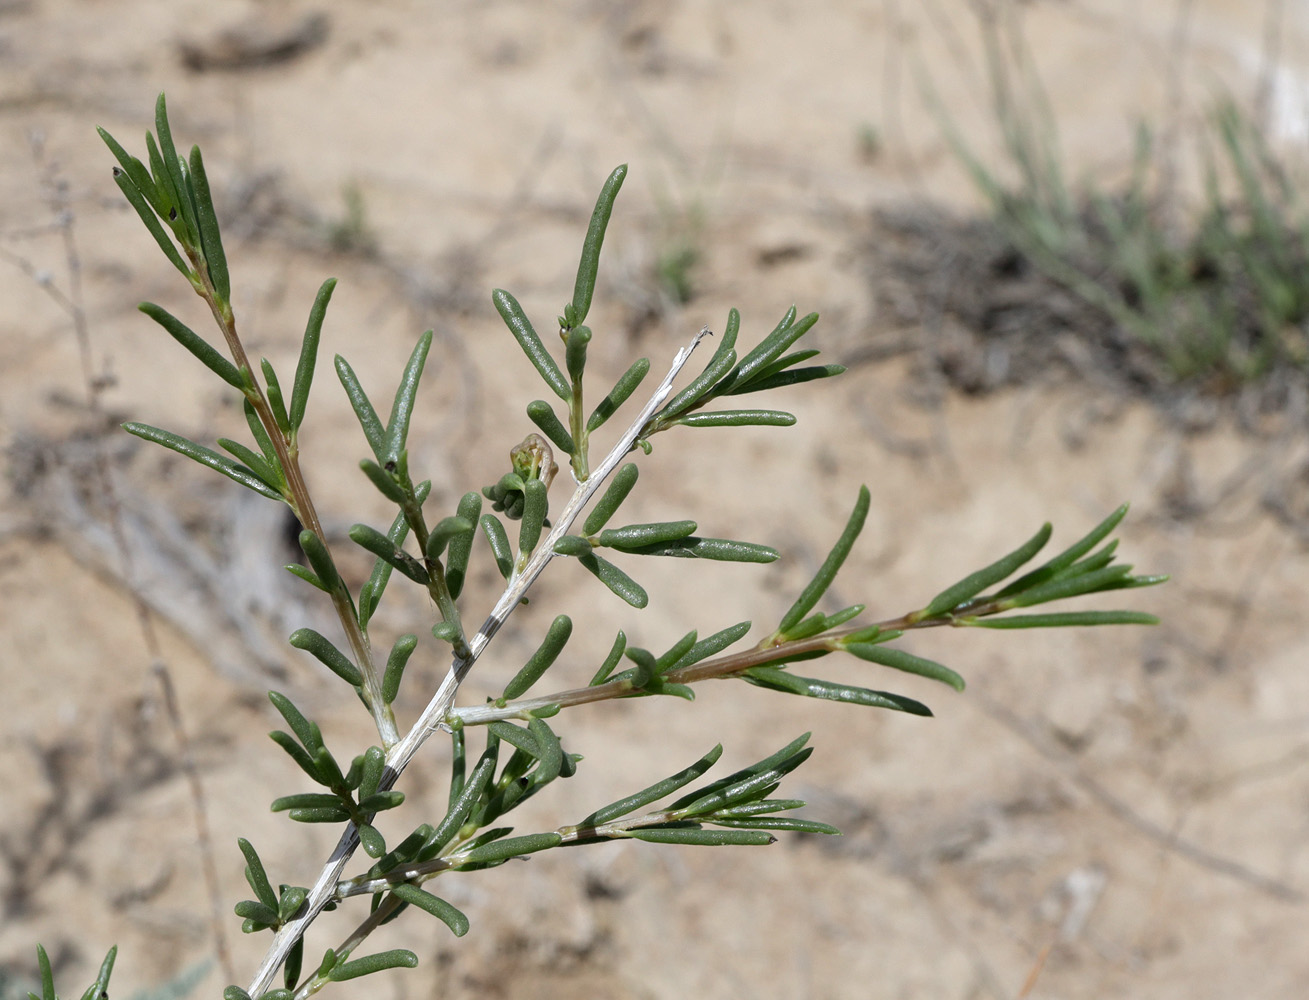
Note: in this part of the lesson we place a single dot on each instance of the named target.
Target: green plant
(1221, 298)
(522, 751)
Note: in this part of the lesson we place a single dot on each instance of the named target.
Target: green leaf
(616, 580)
(235, 993)
(364, 412)
(371, 592)
(754, 364)
(395, 665)
(748, 787)
(737, 418)
(435, 905)
(397, 958)
(134, 168)
(256, 463)
(898, 659)
(381, 546)
(381, 802)
(769, 763)
(499, 541)
(611, 660)
(306, 574)
(1066, 618)
(511, 847)
(572, 545)
(294, 960)
(973, 584)
(536, 506)
(784, 378)
(320, 814)
(374, 762)
(781, 680)
(587, 267)
(304, 369)
(461, 546)
(462, 806)
(827, 572)
(711, 645)
(618, 395)
(249, 909)
(147, 215)
(515, 736)
(319, 559)
(575, 351)
(331, 657)
(655, 792)
(512, 313)
(1066, 558)
(444, 532)
(275, 401)
(636, 536)
(197, 345)
(384, 481)
(556, 637)
(297, 753)
(792, 824)
(543, 415)
(719, 549)
(551, 751)
(211, 240)
(696, 837)
(206, 457)
(397, 428)
(1110, 578)
(256, 875)
(615, 493)
(173, 168)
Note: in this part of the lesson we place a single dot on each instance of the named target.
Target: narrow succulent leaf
(402, 409)
(575, 351)
(719, 365)
(696, 837)
(1068, 556)
(761, 807)
(737, 418)
(499, 541)
(320, 560)
(435, 905)
(746, 789)
(165, 194)
(516, 736)
(589, 264)
(397, 958)
(305, 731)
(304, 369)
(235, 993)
(618, 395)
(711, 645)
(364, 412)
(676, 652)
(254, 462)
(147, 216)
(550, 750)
(511, 847)
(211, 240)
(100, 988)
(444, 532)
(784, 362)
(790, 824)
(320, 814)
(781, 680)
(869, 633)
(395, 665)
(619, 486)
(461, 546)
(251, 909)
(331, 657)
(206, 457)
(611, 660)
(519, 325)
(636, 536)
(827, 572)
(460, 808)
(719, 549)
(173, 167)
(556, 637)
(771, 348)
(276, 403)
(794, 376)
(974, 583)
(655, 792)
(256, 875)
(616, 580)
(543, 415)
(1112, 577)
(380, 802)
(371, 592)
(769, 763)
(134, 168)
(536, 507)
(385, 482)
(382, 547)
(1067, 618)
(47, 976)
(572, 545)
(898, 659)
(371, 775)
(197, 345)
(294, 961)
(259, 432)
(305, 800)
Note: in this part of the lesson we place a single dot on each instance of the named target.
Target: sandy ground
(1119, 813)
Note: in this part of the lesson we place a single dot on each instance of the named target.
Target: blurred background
(1062, 247)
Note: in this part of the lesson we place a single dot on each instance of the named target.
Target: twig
(434, 715)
